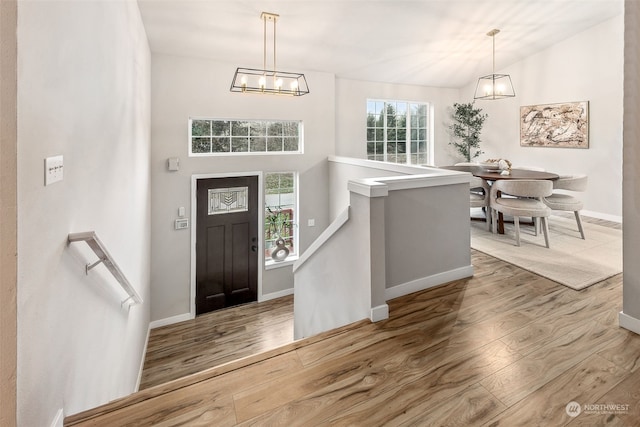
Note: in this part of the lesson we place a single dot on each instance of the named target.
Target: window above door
(215, 137)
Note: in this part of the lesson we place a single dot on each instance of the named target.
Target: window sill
(270, 265)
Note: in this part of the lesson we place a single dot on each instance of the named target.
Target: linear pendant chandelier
(264, 81)
(494, 86)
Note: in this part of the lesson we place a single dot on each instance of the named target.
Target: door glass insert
(228, 200)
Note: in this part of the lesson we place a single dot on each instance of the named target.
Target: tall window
(397, 131)
(280, 216)
(208, 137)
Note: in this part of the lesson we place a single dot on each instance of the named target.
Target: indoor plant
(466, 128)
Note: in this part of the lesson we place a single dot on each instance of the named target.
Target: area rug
(570, 261)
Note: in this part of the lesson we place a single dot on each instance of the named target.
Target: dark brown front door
(226, 242)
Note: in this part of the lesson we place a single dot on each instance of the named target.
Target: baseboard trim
(58, 420)
(274, 295)
(428, 282)
(628, 322)
(170, 320)
(598, 215)
(144, 354)
(379, 313)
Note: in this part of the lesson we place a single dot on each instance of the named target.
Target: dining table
(491, 174)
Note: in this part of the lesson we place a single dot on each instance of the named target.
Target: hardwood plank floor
(215, 338)
(503, 348)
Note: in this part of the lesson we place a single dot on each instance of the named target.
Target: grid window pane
(215, 137)
(399, 130)
(280, 213)
(201, 128)
(274, 144)
(240, 145)
(201, 145)
(220, 145)
(240, 129)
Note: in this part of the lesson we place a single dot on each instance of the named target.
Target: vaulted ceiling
(439, 43)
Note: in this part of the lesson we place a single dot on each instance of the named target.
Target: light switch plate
(53, 169)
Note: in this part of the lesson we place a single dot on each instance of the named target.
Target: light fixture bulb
(262, 82)
(278, 84)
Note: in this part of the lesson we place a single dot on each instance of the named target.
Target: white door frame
(194, 218)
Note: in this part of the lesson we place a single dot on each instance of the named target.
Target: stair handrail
(104, 257)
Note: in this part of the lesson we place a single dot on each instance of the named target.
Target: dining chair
(526, 201)
(479, 197)
(559, 201)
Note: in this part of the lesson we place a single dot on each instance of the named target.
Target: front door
(226, 242)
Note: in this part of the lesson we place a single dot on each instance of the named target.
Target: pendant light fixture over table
(494, 86)
(264, 81)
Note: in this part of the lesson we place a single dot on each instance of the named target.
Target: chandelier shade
(269, 81)
(494, 86)
(253, 80)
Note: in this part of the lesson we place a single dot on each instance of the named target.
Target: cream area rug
(571, 261)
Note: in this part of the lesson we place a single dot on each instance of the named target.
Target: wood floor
(505, 347)
(213, 339)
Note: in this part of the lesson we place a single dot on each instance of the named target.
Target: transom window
(280, 216)
(208, 137)
(397, 131)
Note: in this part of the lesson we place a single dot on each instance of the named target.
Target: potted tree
(466, 128)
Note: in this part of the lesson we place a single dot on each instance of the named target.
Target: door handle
(254, 248)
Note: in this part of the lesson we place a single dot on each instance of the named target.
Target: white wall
(333, 287)
(630, 316)
(351, 110)
(184, 87)
(586, 67)
(83, 92)
(8, 211)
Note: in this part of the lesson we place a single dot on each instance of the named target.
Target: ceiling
(440, 43)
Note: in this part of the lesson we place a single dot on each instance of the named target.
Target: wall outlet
(53, 169)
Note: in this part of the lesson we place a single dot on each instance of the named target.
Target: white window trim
(245, 153)
(430, 133)
(270, 264)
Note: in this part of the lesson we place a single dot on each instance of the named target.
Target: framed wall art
(555, 125)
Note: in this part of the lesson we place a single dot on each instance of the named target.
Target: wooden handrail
(104, 257)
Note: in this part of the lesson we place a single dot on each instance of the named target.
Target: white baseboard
(606, 217)
(58, 420)
(379, 313)
(275, 295)
(170, 320)
(628, 322)
(187, 316)
(428, 282)
(144, 354)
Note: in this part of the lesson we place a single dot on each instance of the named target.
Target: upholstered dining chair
(479, 197)
(559, 201)
(527, 202)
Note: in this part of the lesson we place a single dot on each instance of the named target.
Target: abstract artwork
(555, 125)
